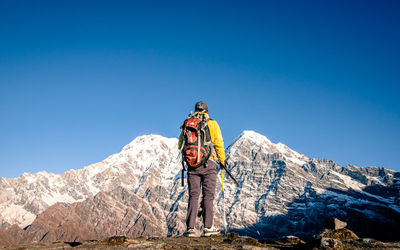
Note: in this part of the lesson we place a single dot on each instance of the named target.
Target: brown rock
(333, 239)
(340, 234)
(11, 236)
(370, 244)
(246, 240)
(116, 240)
(291, 239)
(329, 243)
(335, 223)
(232, 236)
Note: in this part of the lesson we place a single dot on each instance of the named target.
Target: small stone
(291, 239)
(329, 243)
(335, 224)
(133, 241)
(246, 240)
(232, 236)
(249, 247)
(116, 240)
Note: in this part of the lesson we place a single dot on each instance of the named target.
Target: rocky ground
(329, 239)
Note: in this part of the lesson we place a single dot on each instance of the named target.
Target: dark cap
(201, 106)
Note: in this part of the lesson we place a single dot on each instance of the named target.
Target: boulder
(340, 234)
(290, 239)
(329, 243)
(335, 224)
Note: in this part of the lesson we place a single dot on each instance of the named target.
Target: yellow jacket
(216, 139)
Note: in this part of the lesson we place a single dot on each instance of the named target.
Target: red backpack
(196, 145)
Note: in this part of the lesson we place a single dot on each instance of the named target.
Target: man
(204, 178)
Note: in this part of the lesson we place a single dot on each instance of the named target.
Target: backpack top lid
(198, 120)
(201, 107)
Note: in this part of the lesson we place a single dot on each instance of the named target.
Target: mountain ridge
(281, 192)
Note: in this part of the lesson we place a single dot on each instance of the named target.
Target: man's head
(201, 107)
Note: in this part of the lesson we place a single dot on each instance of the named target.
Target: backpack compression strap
(202, 126)
(199, 137)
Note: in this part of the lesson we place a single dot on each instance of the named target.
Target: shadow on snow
(373, 213)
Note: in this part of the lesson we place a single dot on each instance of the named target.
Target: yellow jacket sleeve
(217, 140)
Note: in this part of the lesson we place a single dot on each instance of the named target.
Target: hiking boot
(210, 231)
(189, 233)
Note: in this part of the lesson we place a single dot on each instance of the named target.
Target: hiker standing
(202, 147)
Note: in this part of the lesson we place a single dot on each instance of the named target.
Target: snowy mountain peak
(150, 141)
(257, 142)
(254, 137)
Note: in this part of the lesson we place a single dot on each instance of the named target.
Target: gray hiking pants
(203, 178)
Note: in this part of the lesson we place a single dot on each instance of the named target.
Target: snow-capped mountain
(283, 192)
(141, 164)
(138, 192)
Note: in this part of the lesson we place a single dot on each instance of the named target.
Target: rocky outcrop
(229, 241)
(344, 238)
(13, 235)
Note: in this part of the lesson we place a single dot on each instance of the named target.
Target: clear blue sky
(81, 79)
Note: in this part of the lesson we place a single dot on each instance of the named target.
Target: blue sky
(81, 79)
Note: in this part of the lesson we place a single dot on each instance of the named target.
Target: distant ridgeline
(138, 192)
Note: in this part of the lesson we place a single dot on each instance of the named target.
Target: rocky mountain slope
(138, 192)
(284, 193)
(140, 165)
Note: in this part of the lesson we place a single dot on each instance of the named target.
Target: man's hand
(223, 166)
